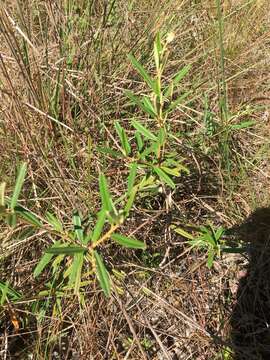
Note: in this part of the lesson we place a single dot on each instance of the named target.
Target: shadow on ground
(250, 321)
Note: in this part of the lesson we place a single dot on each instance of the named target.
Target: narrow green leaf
(139, 140)
(44, 261)
(178, 101)
(210, 258)
(184, 233)
(28, 216)
(4, 291)
(106, 199)
(157, 50)
(173, 172)
(56, 263)
(164, 177)
(131, 199)
(243, 125)
(76, 272)
(143, 130)
(123, 138)
(161, 136)
(146, 77)
(150, 149)
(18, 185)
(67, 250)
(8, 291)
(135, 99)
(99, 225)
(102, 274)
(54, 222)
(149, 106)
(128, 242)
(77, 222)
(218, 234)
(2, 194)
(132, 176)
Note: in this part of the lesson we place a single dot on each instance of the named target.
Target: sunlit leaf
(99, 225)
(28, 216)
(128, 242)
(146, 77)
(76, 272)
(106, 199)
(143, 130)
(132, 176)
(164, 177)
(18, 185)
(54, 222)
(67, 250)
(44, 261)
(123, 138)
(77, 222)
(184, 233)
(102, 274)
(243, 125)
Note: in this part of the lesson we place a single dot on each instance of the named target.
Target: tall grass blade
(106, 199)
(18, 185)
(102, 274)
(128, 242)
(99, 226)
(164, 177)
(143, 130)
(146, 77)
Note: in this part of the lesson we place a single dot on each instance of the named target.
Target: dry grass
(63, 72)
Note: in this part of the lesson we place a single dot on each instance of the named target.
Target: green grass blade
(8, 291)
(139, 103)
(99, 225)
(102, 274)
(54, 222)
(11, 220)
(132, 176)
(177, 78)
(149, 107)
(76, 272)
(106, 199)
(139, 141)
(157, 50)
(130, 200)
(128, 242)
(123, 138)
(146, 77)
(184, 233)
(18, 185)
(164, 177)
(77, 222)
(67, 250)
(243, 125)
(143, 130)
(44, 261)
(27, 216)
